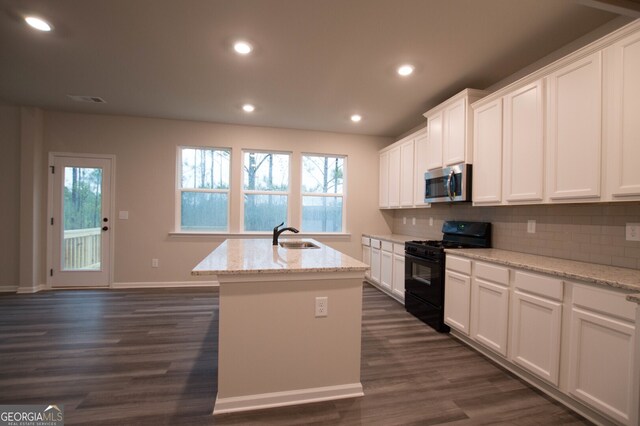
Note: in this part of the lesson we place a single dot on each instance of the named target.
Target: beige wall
(145, 151)
(584, 232)
(10, 190)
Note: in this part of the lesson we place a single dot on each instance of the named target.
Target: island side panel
(270, 340)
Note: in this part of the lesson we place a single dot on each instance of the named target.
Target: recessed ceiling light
(248, 108)
(37, 23)
(356, 117)
(242, 47)
(405, 70)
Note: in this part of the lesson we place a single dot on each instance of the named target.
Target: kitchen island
(273, 348)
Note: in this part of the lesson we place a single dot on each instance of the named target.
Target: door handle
(451, 177)
(105, 228)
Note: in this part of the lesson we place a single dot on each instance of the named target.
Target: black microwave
(449, 184)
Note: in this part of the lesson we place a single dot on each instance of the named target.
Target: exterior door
(81, 222)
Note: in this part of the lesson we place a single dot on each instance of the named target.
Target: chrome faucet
(277, 232)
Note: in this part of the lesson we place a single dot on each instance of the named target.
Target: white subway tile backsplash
(586, 232)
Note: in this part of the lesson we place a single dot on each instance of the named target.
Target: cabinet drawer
(609, 302)
(539, 284)
(459, 264)
(387, 246)
(375, 243)
(497, 274)
(398, 249)
(366, 241)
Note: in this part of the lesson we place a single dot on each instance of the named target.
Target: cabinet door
(394, 177)
(420, 167)
(524, 144)
(457, 298)
(375, 265)
(384, 180)
(434, 142)
(455, 129)
(487, 160)
(398, 276)
(490, 315)
(386, 269)
(621, 123)
(574, 118)
(366, 258)
(406, 174)
(536, 323)
(601, 363)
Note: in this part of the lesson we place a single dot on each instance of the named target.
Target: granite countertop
(394, 238)
(253, 256)
(611, 276)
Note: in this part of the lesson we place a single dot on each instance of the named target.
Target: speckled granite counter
(611, 276)
(258, 256)
(394, 238)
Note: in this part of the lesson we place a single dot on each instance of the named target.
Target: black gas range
(425, 267)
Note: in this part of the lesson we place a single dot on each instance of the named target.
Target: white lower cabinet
(375, 261)
(386, 269)
(601, 353)
(457, 300)
(588, 354)
(398, 271)
(366, 255)
(536, 325)
(490, 314)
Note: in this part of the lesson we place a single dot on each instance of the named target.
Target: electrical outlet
(413, 221)
(155, 263)
(404, 220)
(322, 306)
(633, 231)
(430, 221)
(531, 226)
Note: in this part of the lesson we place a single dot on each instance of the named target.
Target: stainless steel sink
(298, 245)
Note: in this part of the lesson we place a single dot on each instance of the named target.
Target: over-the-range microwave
(449, 184)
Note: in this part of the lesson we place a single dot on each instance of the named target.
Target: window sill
(242, 235)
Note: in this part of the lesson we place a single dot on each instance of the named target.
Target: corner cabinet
(451, 130)
(383, 200)
(421, 145)
(574, 117)
(387, 266)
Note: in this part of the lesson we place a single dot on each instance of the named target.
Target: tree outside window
(322, 193)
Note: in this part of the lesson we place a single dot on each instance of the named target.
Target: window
(322, 193)
(203, 189)
(265, 189)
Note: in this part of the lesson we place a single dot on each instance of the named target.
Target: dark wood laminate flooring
(150, 356)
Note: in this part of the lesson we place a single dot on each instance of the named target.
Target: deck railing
(81, 248)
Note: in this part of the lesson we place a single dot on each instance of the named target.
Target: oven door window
(424, 280)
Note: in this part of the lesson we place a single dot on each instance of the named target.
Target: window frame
(243, 191)
(321, 194)
(179, 190)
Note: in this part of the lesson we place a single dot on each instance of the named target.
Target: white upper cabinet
(383, 200)
(421, 144)
(455, 122)
(622, 119)
(487, 169)
(574, 118)
(451, 130)
(524, 143)
(394, 177)
(406, 173)
(434, 142)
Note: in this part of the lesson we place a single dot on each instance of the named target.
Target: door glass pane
(82, 213)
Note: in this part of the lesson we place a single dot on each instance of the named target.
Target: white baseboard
(8, 288)
(166, 284)
(31, 289)
(279, 399)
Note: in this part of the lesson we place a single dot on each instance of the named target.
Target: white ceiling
(315, 63)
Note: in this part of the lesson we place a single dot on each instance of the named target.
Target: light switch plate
(123, 214)
(633, 231)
